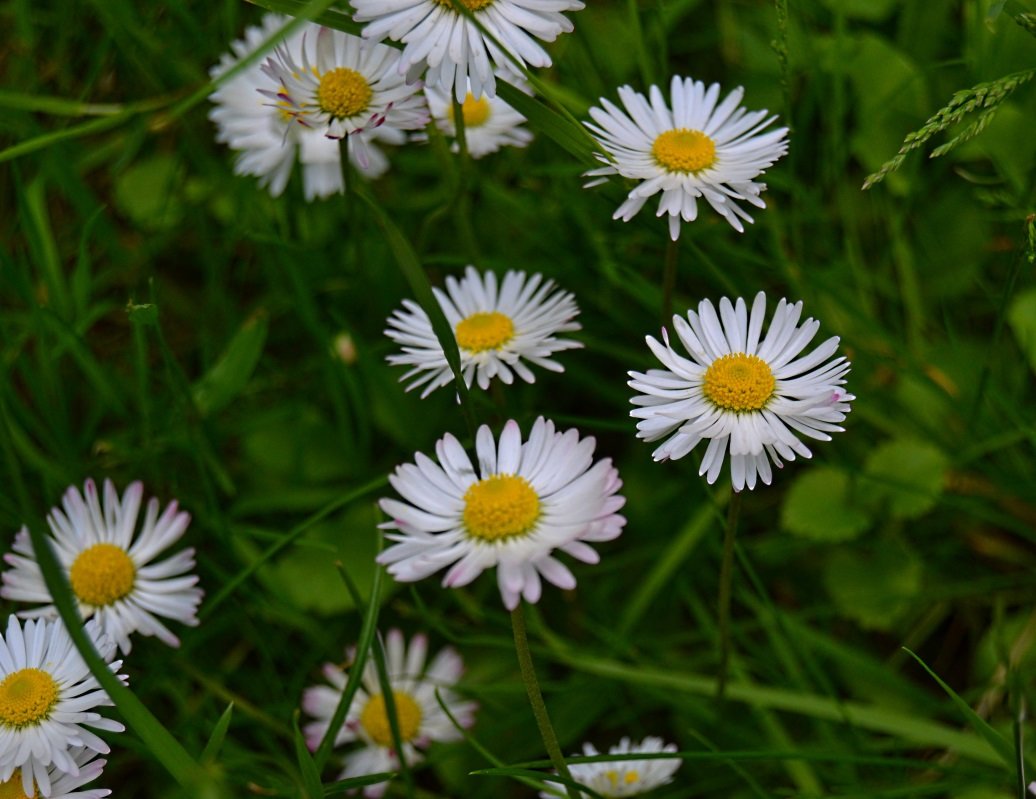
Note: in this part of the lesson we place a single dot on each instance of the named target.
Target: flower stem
(725, 574)
(462, 201)
(539, 708)
(669, 280)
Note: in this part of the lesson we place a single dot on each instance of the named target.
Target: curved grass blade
(219, 734)
(312, 788)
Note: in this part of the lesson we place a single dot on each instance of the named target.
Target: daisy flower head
(109, 563)
(344, 87)
(419, 716)
(47, 696)
(489, 122)
(701, 148)
(625, 777)
(741, 390)
(526, 500)
(62, 785)
(264, 131)
(499, 328)
(452, 47)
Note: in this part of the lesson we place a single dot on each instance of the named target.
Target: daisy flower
(420, 718)
(489, 122)
(62, 785)
(109, 564)
(699, 149)
(741, 391)
(498, 329)
(265, 134)
(453, 48)
(46, 697)
(526, 500)
(345, 88)
(625, 777)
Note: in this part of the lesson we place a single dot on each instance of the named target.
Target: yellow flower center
(475, 112)
(627, 779)
(739, 382)
(501, 506)
(374, 718)
(102, 574)
(471, 5)
(484, 331)
(343, 93)
(683, 150)
(26, 697)
(12, 789)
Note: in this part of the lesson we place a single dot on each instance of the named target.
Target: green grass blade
(311, 785)
(1000, 744)
(219, 734)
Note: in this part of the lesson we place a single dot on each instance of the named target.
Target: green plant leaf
(818, 506)
(906, 476)
(1021, 316)
(230, 374)
(312, 788)
(219, 734)
(873, 588)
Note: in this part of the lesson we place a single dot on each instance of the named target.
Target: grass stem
(725, 577)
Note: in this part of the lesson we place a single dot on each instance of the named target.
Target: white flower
(451, 45)
(497, 331)
(489, 122)
(345, 88)
(62, 785)
(696, 150)
(625, 777)
(46, 697)
(109, 564)
(740, 390)
(265, 132)
(419, 716)
(527, 500)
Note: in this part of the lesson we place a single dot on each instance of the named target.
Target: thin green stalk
(352, 685)
(669, 280)
(349, 192)
(1001, 317)
(725, 575)
(539, 707)
(462, 201)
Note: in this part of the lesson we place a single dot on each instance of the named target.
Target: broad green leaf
(819, 506)
(1021, 316)
(149, 193)
(906, 476)
(230, 374)
(874, 588)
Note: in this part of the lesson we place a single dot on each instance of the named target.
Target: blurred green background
(163, 319)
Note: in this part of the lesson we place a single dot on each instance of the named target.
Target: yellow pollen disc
(26, 697)
(375, 721)
(628, 778)
(12, 789)
(501, 506)
(684, 150)
(471, 5)
(475, 112)
(484, 331)
(102, 574)
(739, 382)
(343, 93)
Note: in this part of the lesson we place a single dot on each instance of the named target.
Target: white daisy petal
(496, 330)
(533, 498)
(47, 699)
(419, 717)
(270, 128)
(456, 53)
(746, 393)
(109, 564)
(620, 778)
(701, 149)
